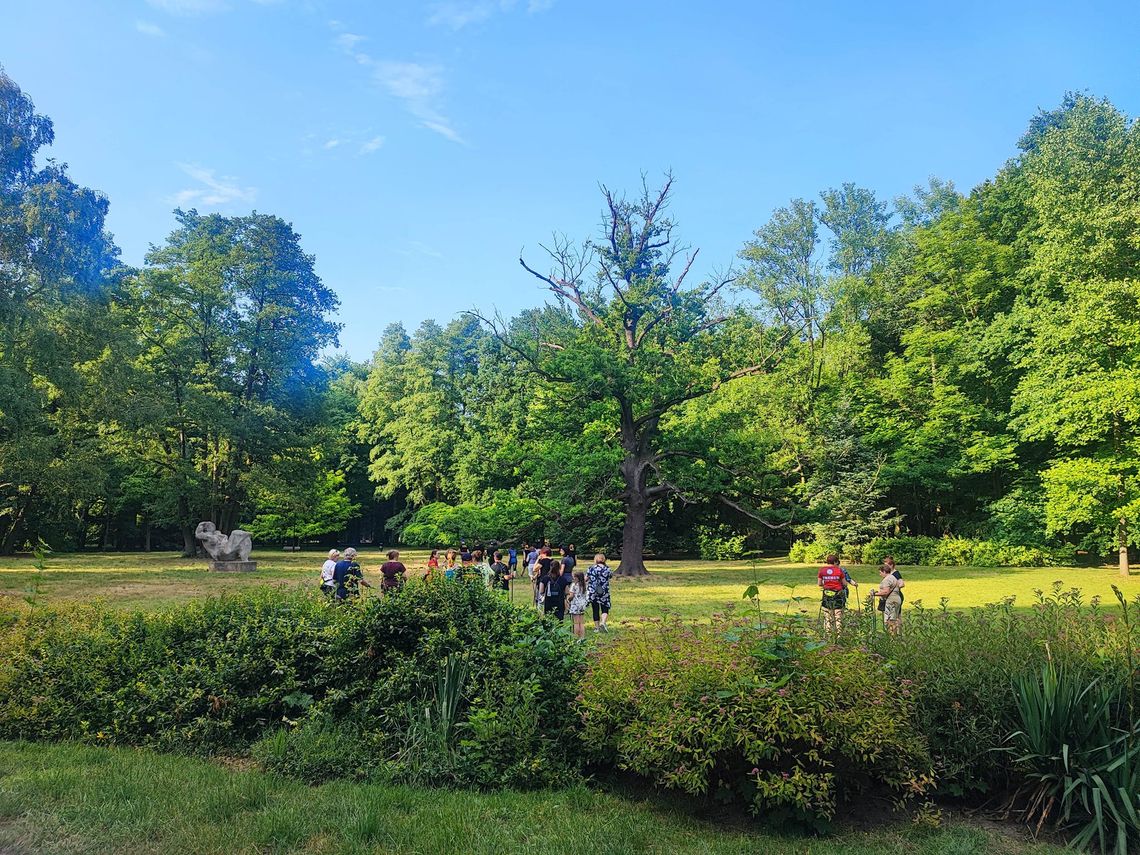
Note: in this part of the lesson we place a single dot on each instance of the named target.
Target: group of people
(835, 583)
(557, 586)
(342, 576)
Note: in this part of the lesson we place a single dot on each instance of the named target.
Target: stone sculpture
(226, 553)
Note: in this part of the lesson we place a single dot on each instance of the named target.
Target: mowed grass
(692, 589)
(76, 800)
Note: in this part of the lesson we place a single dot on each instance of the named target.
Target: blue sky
(417, 147)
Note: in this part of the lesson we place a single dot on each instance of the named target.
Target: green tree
(229, 317)
(628, 332)
(298, 509)
(57, 270)
(1080, 390)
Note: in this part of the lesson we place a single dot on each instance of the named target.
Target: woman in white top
(327, 584)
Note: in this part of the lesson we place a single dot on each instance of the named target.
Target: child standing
(577, 605)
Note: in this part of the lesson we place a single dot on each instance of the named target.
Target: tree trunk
(633, 538)
(1122, 545)
(636, 505)
(189, 542)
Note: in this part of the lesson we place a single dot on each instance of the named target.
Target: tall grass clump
(968, 670)
(1077, 750)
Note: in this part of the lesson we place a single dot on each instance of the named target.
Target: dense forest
(938, 364)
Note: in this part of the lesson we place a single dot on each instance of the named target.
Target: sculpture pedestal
(233, 566)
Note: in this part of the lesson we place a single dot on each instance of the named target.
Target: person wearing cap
(328, 587)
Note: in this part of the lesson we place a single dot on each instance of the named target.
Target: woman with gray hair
(348, 576)
(327, 570)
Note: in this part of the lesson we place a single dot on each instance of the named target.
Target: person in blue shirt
(348, 577)
(512, 560)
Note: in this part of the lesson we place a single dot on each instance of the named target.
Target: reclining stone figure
(236, 547)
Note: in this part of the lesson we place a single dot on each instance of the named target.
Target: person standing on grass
(555, 602)
(393, 572)
(598, 591)
(833, 582)
(890, 599)
(576, 604)
(512, 561)
(328, 587)
(538, 585)
(567, 576)
(450, 568)
(889, 561)
(466, 562)
(568, 560)
(501, 575)
(348, 576)
(432, 566)
(541, 573)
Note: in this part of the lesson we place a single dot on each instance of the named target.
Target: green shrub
(207, 675)
(787, 724)
(961, 667)
(962, 552)
(220, 674)
(798, 553)
(816, 551)
(719, 543)
(906, 550)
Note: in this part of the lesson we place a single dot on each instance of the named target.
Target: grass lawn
(694, 589)
(71, 799)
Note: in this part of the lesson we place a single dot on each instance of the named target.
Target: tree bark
(633, 535)
(1122, 545)
(189, 542)
(634, 465)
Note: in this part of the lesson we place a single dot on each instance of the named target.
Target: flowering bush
(766, 714)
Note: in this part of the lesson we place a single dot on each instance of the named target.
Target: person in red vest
(833, 583)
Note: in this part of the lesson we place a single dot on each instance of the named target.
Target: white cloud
(372, 145)
(409, 81)
(333, 143)
(189, 7)
(214, 191)
(417, 85)
(349, 41)
(458, 14)
(149, 29)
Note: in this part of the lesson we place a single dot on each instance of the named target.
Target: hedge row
(934, 552)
